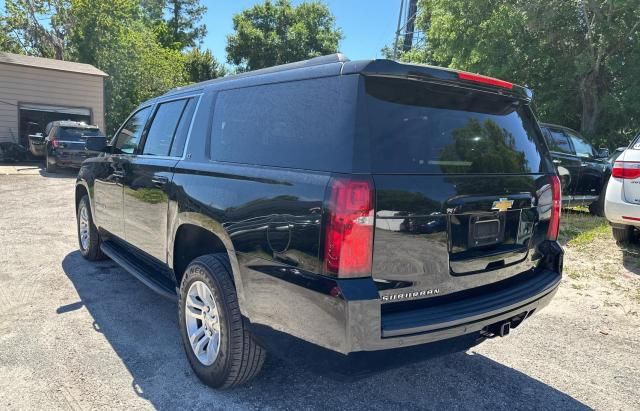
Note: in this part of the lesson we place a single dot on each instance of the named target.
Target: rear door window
(182, 132)
(558, 141)
(163, 128)
(419, 127)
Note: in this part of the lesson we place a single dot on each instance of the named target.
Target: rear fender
(218, 230)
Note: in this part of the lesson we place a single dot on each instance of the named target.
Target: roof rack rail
(314, 61)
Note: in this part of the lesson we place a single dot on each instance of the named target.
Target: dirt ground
(78, 335)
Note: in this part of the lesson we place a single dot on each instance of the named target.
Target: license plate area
(486, 230)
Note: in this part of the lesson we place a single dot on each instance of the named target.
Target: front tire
(221, 351)
(88, 236)
(622, 234)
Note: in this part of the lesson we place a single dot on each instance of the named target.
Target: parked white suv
(622, 201)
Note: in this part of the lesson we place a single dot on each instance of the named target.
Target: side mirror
(603, 153)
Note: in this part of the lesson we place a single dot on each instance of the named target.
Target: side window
(179, 141)
(299, 124)
(129, 136)
(557, 141)
(583, 149)
(163, 128)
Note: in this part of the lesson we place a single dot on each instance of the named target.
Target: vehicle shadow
(60, 172)
(631, 256)
(142, 329)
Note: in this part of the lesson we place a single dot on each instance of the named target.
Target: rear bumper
(347, 316)
(60, 161)
(616, 208)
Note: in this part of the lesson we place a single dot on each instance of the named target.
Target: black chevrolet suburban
(343, 213)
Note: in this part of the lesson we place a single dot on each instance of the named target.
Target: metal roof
(50, 64)
(338, 64)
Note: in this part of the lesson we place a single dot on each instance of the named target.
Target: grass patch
(579, 229)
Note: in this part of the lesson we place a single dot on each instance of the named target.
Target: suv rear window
(419, 127)
(75, 133)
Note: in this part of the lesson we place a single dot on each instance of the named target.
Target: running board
(136, 269)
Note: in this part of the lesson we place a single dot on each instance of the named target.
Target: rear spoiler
(432, 74)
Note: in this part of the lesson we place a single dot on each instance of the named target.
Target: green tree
(111, 35)
(576, 54)
(8, 43)
(201, 65)
(39, 26)
(176, 23)
(270, 33)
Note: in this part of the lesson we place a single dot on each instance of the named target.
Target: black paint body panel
(270, 221)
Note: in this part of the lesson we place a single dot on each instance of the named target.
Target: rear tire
(597, 207)
(51, 168)
(622, 234)
(238, 358)
(88, 235)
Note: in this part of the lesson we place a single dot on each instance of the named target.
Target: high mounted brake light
(348, 241)
(627, 170)
(478, 78)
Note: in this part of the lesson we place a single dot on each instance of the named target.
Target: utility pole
(398, 27)
(406, 27)
(410, 25)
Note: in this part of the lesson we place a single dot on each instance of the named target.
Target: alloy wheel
(83, 227)
(202, 322)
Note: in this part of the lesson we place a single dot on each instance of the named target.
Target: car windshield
(76, 133)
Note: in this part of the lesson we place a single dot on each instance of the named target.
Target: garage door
(35, 117)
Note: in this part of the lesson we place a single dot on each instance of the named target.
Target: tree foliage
(270, 33)
(201, 65)
(579, 56)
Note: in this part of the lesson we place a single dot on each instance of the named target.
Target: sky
(367, 25)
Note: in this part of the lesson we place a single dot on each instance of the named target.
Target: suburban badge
(410, 294)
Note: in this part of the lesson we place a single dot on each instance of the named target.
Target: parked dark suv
(583, 170)
(344, 213)
(69, 143)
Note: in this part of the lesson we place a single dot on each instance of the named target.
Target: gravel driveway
(79, 335)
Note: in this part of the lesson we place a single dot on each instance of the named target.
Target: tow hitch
(503, 328)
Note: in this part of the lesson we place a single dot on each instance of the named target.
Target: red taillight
(55, 143)
(478, 78)
(556, 205)
(628, 170)
(348, 242)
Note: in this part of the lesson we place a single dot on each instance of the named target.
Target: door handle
(159, 181)
(557, 162)
(584, 165)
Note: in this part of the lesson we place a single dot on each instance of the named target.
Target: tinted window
(299, 124)
(76, 133)
(418, 127)
(163, 128)
(558, 141)
(180, 139)
(583, 149)
(129, 136)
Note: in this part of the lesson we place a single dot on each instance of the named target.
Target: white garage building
(35, 91)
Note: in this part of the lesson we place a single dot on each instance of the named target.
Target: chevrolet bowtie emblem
(502, 205)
